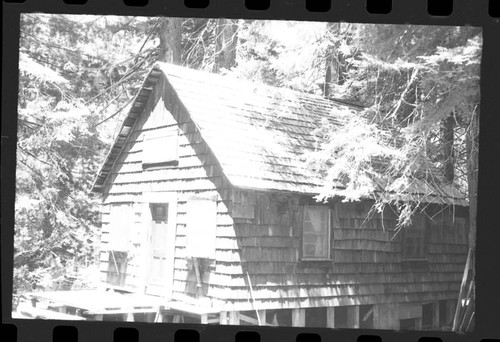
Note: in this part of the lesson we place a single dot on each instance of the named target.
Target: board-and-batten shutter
(121, 221)
(160, 147)
(201, 227)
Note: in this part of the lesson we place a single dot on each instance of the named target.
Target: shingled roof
(259, 134)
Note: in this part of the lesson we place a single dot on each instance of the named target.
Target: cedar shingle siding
(242, 145)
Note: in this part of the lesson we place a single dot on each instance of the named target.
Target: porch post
(330, 317)
(298, 317)
(353, 317)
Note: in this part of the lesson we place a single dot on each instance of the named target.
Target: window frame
(116, 273)
(328, 257)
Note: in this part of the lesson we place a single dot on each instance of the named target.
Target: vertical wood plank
(298, 317)
(353, 317)
(330, 317)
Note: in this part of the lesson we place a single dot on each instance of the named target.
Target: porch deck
(94, 304)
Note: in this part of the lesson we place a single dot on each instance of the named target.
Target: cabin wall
(366, 265)
(197, 173)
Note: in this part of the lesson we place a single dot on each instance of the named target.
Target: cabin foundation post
(376, 322)
(435, 315)
(204, 319)
(353, 317)
(158, 316)
(234, 318)
(261, 314)
(98, 317)
(298, 317)
(330, 317)
(223, 318)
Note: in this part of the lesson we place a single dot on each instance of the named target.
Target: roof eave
(126, 127)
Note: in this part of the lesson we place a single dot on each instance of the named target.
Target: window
(160, 147)
(117, 268)
(159, 212)
(413, 240)
(316, 233)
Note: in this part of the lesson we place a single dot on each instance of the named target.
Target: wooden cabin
(207, 204)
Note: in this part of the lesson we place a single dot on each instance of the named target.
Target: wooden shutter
(160, 147)
(121, 221)
(201, 227)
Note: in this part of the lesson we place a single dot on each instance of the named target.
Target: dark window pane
(159, 213)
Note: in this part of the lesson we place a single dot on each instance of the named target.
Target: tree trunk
(472, 170)
(226, 41)
(448, 127)
(170, 40)
(335, 62)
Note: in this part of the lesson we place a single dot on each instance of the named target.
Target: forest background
(418, 87)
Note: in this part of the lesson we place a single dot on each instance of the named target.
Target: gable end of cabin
(163, 171)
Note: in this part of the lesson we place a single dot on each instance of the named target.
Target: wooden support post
(234, 318)
(204, 319)
(129, 317)
(223, 318)
(435, 315)
(418, 323)
(298, 317)
(159, 315)
(330, 317)
(98, 317)
(376, 321)
(353, 317)
(261, 317)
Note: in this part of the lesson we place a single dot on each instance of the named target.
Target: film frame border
(483, 13)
